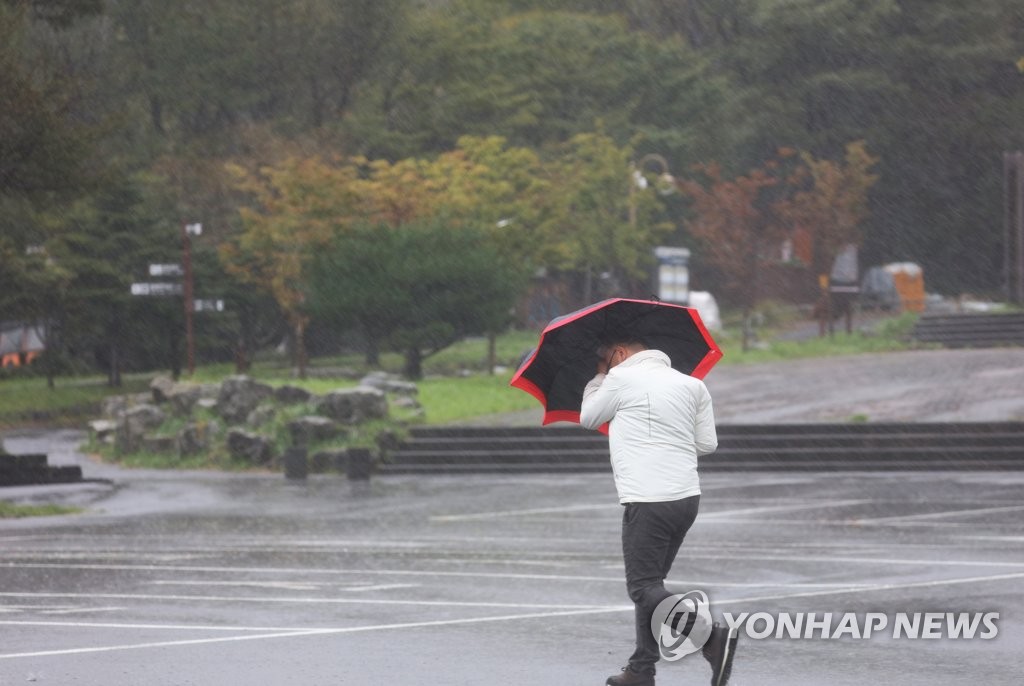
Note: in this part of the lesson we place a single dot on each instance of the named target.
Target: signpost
(156, 289)
(208, 305)
(187, 231)
(184, 289)
(673, 276)
(166, 270)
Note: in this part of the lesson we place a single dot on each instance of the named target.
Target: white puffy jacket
(660, 421)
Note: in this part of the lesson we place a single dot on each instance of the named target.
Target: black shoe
(719, 651)
(630, 678)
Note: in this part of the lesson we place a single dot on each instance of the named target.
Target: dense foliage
(282, 124)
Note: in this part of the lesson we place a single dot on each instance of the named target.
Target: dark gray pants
(651, 536)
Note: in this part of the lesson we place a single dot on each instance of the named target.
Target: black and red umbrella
(558, 369)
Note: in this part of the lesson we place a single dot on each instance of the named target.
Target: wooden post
(186, 265)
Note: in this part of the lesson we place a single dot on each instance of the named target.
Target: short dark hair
(610, 339)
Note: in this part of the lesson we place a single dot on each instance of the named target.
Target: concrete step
(982, 445)
(971, 330)
(728, 430)
(725, 442)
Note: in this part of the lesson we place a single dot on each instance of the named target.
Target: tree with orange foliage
(298, 207)
(737, 221)
(302, 205)
(832, 202)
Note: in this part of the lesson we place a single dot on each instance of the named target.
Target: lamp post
(638, 180)
(672, 273)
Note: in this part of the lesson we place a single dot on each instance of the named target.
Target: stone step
(970, 330)
(981, 445)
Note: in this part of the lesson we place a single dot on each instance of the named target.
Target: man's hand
(606, 360)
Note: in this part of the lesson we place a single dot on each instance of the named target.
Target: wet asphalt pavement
(181, 578)
(205, 578)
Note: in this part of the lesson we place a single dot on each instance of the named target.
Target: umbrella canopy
(558, 369)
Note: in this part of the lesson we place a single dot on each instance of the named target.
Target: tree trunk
(372, 346)
(372, 354)
(413, 369)
(114, 373)
(748, 327)
(492, 352)
(300, 348)
(50, 353)
(751, 296)
(174, 356)
(242, 361)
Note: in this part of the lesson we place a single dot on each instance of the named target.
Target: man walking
(660, 421)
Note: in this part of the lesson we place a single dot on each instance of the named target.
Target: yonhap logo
(682, 624)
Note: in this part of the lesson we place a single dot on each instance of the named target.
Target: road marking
(319, 632)
(784, 508)
(310, 601)
(504, 618)
(54, 609)
(319, 572)
(940, 515)
(77, 610)
(157, 627)
(1003, 539)
(278, 585)
(510, 575)
(518, 513)
(876, 588)
(857, 560)
(498, 514)
(163, 644)
(284, 585)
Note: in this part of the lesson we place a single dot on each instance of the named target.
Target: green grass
(28, 400)
(456, 388)
(466, 356)
(891, 336)
(12, 511)
(448, 400)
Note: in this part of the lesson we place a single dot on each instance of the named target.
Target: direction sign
(209, 305)
(157, 289)
(194, 229)
(166, 270)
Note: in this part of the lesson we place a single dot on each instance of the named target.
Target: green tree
(298, 208)
(60, 13)
(106, 242)
(960, 104)
(44, 152)
(202, 71)
(593, 230)
(535, 78)
(932, 84)
(415, 289)
(47, 160)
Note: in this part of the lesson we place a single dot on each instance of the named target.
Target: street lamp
(672, 275)
(638, 180)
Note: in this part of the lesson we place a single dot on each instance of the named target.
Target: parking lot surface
(204, 578)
